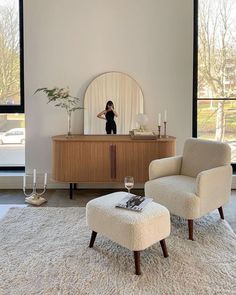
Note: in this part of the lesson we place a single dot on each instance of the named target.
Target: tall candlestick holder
(35, 197)
(159, 131)
(165, 123)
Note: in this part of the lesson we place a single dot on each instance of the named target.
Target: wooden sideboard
(106, 158)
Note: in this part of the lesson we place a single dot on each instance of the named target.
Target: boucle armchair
(195, 183)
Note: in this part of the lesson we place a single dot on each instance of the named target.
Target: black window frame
(10, 109)
(195, 74)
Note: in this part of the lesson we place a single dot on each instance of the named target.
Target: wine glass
(129, 183)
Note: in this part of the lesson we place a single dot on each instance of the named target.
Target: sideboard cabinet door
(134, 158)
(81, 161)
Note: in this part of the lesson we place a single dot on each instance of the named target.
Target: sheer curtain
(126, 95)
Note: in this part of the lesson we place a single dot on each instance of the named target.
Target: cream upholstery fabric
(133, 230)
(213, 186)
(165, 167)
(177, 192)
(200, 155)
(194, 184)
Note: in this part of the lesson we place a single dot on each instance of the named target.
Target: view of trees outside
(217, 71)
(9, 53)
(12, 126)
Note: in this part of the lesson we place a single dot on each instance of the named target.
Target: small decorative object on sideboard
(143, 135)
(165, 122)
(34, 197)
(142, 120)
(159, 125)
(62, 98)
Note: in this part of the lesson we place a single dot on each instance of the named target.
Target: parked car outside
(13, 136)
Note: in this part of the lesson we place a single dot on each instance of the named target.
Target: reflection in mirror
(120, 114)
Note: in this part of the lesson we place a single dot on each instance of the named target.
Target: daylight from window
(9, 53)
(217, 71)
(12, 126)
(12, 140)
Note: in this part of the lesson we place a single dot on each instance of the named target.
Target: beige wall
(69, 42)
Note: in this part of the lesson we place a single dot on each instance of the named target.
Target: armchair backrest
(200, 155)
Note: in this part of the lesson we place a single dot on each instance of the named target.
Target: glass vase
(69, 117)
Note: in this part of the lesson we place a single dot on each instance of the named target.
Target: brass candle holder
(165, 123)
(159, 131)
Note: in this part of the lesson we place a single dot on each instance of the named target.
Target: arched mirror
(127, 98)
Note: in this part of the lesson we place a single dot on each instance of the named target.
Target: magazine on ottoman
(134, 203)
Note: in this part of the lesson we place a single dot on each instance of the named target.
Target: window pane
(9, 53)
(217, 121)
(12, 140)
(217, 49)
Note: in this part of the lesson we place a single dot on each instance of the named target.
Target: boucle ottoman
(133, 230)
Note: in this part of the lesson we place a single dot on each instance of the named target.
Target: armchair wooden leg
(164, 248)
(221, 213)
(92, 240)
(190, 229)
(137, 262)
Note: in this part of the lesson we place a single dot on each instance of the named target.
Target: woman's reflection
(108, 114)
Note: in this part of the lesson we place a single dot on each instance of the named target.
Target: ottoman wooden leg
(137, 262)
(221, 212)
(164, 248)
(190, 229)
(92, 240)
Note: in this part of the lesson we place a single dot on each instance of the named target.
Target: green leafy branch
(62, 98)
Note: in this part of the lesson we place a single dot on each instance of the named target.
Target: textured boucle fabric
(213, 186)
(200, 155)
(193, 184)
(44, 251)
(177, 193)
(133, 230)
(165, 167)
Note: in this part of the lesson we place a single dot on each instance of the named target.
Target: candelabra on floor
(35, 198)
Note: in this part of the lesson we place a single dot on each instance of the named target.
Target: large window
(12, 123)
(214, 97)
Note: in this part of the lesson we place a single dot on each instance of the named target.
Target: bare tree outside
(217, 71)
(9, 53)
(12, 125)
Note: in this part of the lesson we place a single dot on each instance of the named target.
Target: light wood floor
(60, 198)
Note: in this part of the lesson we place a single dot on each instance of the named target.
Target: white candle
(159, 119)
(34, 176)
(165, 116)
(24, 181)
(45, 178)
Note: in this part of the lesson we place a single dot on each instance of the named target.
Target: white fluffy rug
(45, 251)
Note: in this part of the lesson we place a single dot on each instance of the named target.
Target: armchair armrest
(213, 186)
(165, 167)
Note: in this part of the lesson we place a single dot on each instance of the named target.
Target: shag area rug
(45, 251)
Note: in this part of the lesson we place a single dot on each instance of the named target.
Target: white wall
(69, 42)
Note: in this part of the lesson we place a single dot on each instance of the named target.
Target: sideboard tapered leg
(71, 191)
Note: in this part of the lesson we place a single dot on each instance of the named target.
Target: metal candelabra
(35, 198)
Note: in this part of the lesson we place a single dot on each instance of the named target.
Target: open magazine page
(133, 202)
